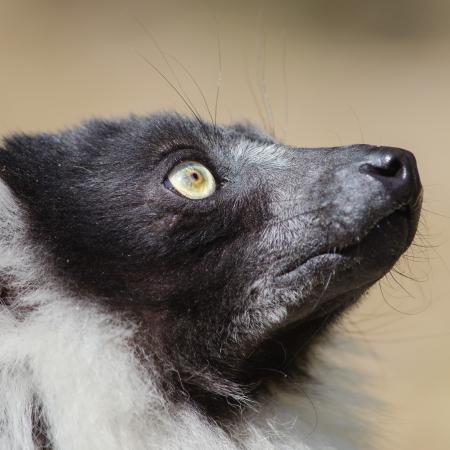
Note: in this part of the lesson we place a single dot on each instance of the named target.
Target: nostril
(396, 170)
(389, 167)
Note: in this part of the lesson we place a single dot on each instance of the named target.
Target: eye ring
(192, 180)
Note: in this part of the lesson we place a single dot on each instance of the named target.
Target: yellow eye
(193, 180)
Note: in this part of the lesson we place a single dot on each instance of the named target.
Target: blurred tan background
(318, 72)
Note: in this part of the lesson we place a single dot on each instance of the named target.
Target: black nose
(397, 170)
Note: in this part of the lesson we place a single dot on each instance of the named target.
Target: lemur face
(232, 252)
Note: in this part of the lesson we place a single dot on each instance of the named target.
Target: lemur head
(231, 251)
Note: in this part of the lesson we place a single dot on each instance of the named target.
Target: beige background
(322, 72)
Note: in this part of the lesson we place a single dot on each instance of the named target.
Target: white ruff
(75, 363)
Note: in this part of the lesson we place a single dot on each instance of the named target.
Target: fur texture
(90, 353)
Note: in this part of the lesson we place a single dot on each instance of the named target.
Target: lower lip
(331, 260)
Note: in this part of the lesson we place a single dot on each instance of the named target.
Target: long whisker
(166, 79)
(435, 213)
(219, 79)
(263, 84)
(164, 56)
(358, 122)
(408, 293)
(255, 97)
(398, 272)
(285, 86)
(189, 74)
(405, 313)
(380, 329)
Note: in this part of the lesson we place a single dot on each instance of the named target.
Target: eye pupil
(195, 176)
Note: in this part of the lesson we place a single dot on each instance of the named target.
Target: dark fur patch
(41, 438)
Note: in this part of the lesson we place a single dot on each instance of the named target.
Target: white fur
(77, 362)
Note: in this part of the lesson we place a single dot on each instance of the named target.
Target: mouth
(375, 251)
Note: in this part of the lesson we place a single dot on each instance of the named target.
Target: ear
(28, 162)
(253, 132)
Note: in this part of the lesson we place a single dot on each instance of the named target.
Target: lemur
(168, 283)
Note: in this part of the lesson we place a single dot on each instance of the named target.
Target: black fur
(206, 279)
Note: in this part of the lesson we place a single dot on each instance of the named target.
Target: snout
(362, 214)
(397, 170)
